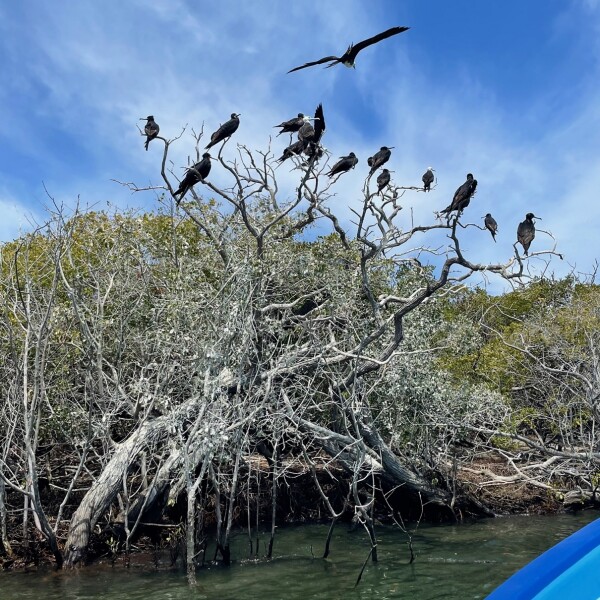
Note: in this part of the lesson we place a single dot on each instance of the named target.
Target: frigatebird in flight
(427, 179)
(225, 131)
(151, 129)
(526, 232)
(491, 225)
(348, 58)
(199, 172)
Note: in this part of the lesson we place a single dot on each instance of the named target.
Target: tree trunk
(103, 491)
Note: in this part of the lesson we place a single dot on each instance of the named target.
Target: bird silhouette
(526, 232)
(491, 225)
(225, 131)
(379, 158)
(294, 149)
(462, 196)
(199, 172)
(344, 164)
(151, 129)
(292, 125)
(383, 180)
(348, 58)
(427, 179)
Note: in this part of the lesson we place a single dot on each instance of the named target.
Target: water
(461, 562)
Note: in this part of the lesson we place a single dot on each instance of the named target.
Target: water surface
(461, 562)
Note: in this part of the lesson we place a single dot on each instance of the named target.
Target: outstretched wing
(319, 123)
(316, 62)
(377, 38)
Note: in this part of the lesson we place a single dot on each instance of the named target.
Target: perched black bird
(225, 131)
(294, 149)
(462, 196)
(344, 164)
(348, 58)
(379, 158)
(526, 232)
(151, 129)
(292, 125)
(427, 179)
(312, 147)
(491, 225)
(383, 180)
(199, 172)
(307, 133)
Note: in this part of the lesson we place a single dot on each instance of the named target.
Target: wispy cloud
(79, 76)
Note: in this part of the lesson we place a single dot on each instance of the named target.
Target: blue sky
(506, 90)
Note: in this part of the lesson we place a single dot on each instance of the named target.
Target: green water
(453, 562)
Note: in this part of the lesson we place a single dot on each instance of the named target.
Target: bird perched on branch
(379, 158)
(199, 172)
(462, 196)
(427, 179)
(383, 180)
(225, 131)
(344, 164)
(491, 225)
(294, 149)
(292, 125)
(348, 58)
(526, 232)
(311, 143)
(151, 129)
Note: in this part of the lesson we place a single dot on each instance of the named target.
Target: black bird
(292, 125)
(526, 232)
(344, 164)
(199, 172)
(491, 225)
(379, 158)
(225, 131)
(151, 129)
(383, 180)
(319, 126)
(462, 196)
(312, 147)
(294, 149)
(427, 179)
(348, 58)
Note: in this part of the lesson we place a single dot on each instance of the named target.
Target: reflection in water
(453, 562)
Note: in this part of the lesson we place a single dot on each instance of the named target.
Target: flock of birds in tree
(308, 143)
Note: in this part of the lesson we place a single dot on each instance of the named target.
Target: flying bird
(225, 131)
(379, 158)
(199, 172)
(526, 232)
(344, 164)
(348, 58)
(151, 129)
(383, 180)
(491, 225)
(292, 125)
(462, 196)
(427, 179)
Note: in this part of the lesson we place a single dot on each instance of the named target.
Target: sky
(505, 90)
